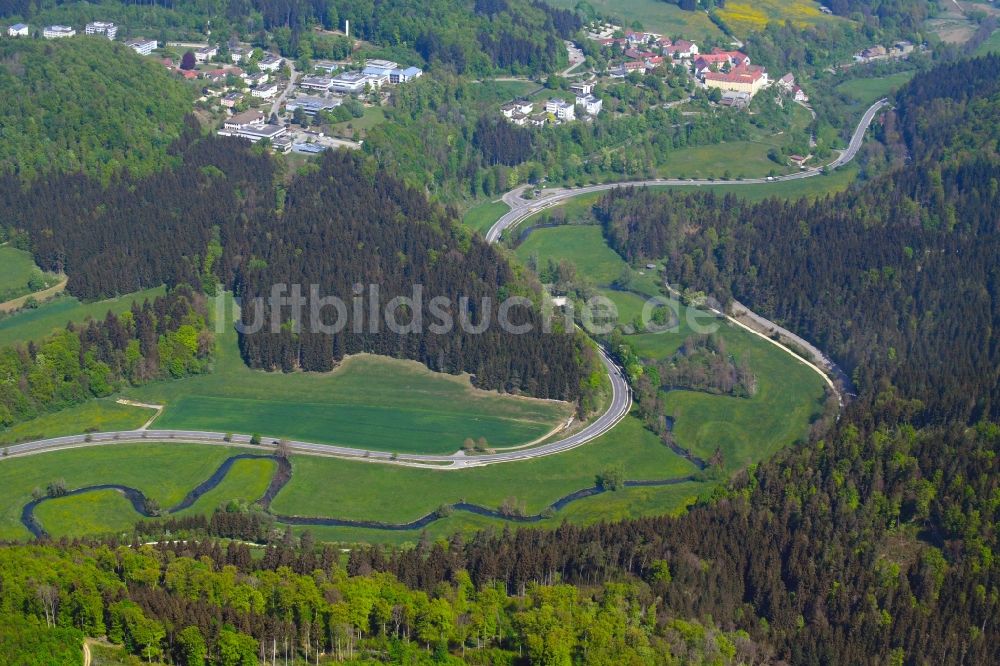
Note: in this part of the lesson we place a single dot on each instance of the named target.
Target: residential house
(109, 30)
(749, 79)
(232, 99)
(800, 94)
(349, 82)
(17, 30)
(592, 105)
(561, 109)
(652, 62)
(266, 91)
(312, 105)
(238, 54)
(737, 100)
(787, 82)
(321, 83)
(206, 53)
(143, 47)
(634, 66)
(734, 57)
(270, 63)
(58, 32)
(522, 107)
(684, 49)
(256, 79)
(245, 119)
(221, 74)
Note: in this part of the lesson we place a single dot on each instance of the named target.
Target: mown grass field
(746, 430)
(96, 416)
(867, 91)
(164, 472)
(41, 321)
(654, 16)
(368, 402)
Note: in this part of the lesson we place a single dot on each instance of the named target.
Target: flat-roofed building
(58, 32)
(105, 28)
(142, 46)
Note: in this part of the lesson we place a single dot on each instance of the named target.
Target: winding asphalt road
(521, 209)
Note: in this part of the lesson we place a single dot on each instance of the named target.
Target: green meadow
(368, 402)
(746, 430)
(103, 415)
(36, 323)
(867, 91)
(330, 487)
(164, 472)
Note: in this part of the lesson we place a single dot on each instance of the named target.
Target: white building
(17, 30)
(561, 109)
(349, 82)
(592, 105)
(256, 79)
(205, 54)
(581, 89)
(58, 32)
(238, 55)
(312, 105)
(266, 91)
(321, 83)
(270, 63)
(142, 46)
(517, 107)
(250, 125)
(105, 28)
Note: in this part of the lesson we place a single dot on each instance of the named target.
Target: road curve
(521, 209)
(621, 401)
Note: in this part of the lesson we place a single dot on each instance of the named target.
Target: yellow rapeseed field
(754, 15)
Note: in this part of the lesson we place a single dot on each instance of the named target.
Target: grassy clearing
(357, 128)
(867, 91)
(494, 91)
(369, 402)
(95, 416)
(38, 322)
(746, 430)
(744, 16)
(17, 269)
(246, 482)
(991, 45)
(582, 245)
(483, 216)
(369, 491)
(164, 472)
(99, 512)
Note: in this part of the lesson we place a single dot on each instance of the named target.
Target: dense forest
(382, 233)
(884, 277)
(477, 37)
(85, 105)
(168, 338)
(136, 233)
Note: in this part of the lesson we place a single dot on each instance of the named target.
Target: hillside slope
(85, 105)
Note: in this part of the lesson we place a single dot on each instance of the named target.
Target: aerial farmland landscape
(499, 332)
